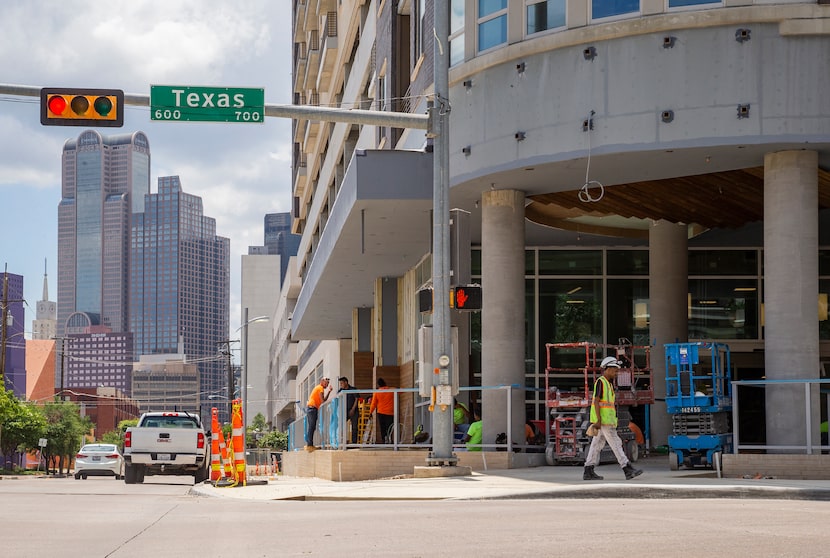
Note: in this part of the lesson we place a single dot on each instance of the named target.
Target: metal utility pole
(63, 341)
(227, 353)
(441, 341)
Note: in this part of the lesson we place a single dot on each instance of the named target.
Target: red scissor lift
(570, 373)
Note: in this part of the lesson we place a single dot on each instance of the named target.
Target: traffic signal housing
(466, 297)
(63, 106)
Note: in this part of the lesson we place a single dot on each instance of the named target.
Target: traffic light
(61, 106)
(466, 297)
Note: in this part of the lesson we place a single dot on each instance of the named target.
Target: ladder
(364, 427)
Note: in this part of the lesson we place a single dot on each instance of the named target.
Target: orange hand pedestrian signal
(466, 297)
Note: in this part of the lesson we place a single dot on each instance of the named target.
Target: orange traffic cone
(238, 444)
(223, 450)
(215, 464)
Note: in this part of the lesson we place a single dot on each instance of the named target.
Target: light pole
(245, 323)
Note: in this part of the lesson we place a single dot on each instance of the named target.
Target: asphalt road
(102, 517)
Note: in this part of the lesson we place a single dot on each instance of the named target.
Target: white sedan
(99, 459)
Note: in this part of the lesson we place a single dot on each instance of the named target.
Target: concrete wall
(368, 464)
(813, 467)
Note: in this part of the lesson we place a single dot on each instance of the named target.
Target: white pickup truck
(166, 443)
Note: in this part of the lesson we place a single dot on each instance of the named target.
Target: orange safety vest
(607, 410)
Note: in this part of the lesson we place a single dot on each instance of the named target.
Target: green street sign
(206, 104)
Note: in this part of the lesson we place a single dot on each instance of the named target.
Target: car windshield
(98, 447)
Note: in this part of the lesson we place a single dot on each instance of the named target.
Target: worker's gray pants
(606, 434)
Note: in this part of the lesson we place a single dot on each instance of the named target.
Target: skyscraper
(12, 343)
(180, 282)
(278, 240)
(105, 179)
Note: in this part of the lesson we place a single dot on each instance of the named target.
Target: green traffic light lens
(79, 104)
(102, 106)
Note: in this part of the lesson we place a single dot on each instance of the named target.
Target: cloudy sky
(241, 171)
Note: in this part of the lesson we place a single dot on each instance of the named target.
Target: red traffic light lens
(57, 104)
(79, 104)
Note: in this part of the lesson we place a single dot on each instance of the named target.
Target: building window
(542, 15)
(492, 23)
(456, 32)
(420, 29)
(610, 8)
(686, 3)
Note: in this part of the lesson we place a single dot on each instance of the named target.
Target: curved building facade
(649, 157)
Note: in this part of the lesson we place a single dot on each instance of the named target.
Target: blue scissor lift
(699, 398)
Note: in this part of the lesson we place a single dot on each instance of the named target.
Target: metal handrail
(332, 420)
(808, 426)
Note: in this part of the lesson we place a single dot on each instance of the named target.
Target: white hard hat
(610, 361)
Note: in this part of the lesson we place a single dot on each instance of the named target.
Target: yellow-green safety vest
(607, 411)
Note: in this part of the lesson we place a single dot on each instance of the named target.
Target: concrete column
(503, 318)
(790, 290)
(668, 258)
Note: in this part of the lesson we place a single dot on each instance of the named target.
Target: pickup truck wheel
(129, 474)
(139, 474)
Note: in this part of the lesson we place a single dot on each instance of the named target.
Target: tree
(64, 431)
(274, 440)
(117, 436)
(21, 425)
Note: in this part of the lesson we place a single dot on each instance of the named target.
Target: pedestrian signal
(466, 297)
(81, 107)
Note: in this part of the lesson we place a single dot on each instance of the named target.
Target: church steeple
(44, 326)
(45, 282)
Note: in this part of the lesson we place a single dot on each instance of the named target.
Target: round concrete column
(790, 290)
(668, 257)
(503, 312)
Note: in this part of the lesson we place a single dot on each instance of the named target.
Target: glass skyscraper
(180, 282)
(105, 179)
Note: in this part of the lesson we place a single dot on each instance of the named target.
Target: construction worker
(384, 402)
(318, 396)
(604, 418)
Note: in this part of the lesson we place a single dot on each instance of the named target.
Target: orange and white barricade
(226, 460)
(238, 444)
(215, 463)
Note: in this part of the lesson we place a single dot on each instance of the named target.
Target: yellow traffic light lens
(79, 104)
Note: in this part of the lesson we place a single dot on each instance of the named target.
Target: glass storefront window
(627, 262)
(723, 309)
(823, 321)
(628, 310)
(530, 262)
(723, 262)
(570, 310)
(824, 262)
(570, 262)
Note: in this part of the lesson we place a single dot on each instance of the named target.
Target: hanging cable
(584, 192)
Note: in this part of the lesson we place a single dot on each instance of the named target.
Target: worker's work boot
(631, 472)
(589, 474)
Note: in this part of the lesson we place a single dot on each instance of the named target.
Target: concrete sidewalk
(540, 482)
